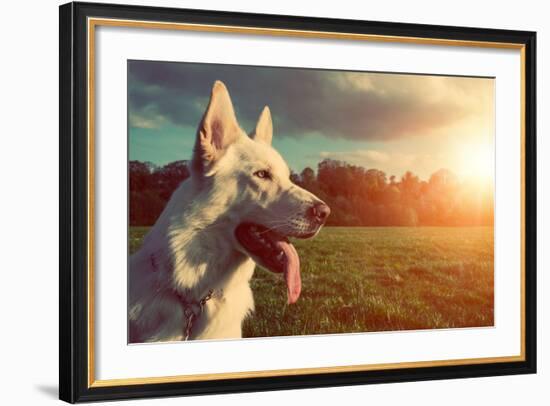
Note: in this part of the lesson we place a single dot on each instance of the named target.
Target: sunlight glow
(476, 161)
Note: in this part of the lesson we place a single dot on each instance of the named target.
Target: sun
(477, 161)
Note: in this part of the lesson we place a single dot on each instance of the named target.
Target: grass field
(357, 279)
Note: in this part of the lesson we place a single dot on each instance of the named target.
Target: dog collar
(192, 309)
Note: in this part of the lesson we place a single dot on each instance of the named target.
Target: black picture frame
(74, 200)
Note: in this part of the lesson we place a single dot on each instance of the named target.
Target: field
(358, 279)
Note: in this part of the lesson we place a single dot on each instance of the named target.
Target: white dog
(190, 279)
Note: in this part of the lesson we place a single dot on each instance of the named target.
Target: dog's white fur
(192, 248)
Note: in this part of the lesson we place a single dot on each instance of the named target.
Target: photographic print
(273, 201)
(236, 186)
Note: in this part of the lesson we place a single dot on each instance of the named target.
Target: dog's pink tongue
(292, 271)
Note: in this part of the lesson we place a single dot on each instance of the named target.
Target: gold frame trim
(94, 22)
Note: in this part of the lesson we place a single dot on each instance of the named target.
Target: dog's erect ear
(264, 128)
(218, 128)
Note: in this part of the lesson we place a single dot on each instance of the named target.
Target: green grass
(357, 279)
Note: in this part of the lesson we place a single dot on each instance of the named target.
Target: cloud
(349, 105)
(359, 157)
(148, 120)
(376, 159)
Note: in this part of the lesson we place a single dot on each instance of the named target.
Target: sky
(386, 121)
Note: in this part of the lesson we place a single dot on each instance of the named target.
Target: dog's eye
(263, 174)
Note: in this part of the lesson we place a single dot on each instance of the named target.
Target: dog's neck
(192, 248)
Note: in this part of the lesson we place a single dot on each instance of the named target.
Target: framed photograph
(257, 202)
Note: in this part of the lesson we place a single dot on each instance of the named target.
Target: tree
(308, 177)
(151, 188)
(140, 175)
(168, 177)
(357, 196)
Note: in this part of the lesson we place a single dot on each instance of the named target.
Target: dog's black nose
(320, 212)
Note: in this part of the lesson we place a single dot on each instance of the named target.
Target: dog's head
(250, 182)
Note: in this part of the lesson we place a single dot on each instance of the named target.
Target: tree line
(356, 196)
